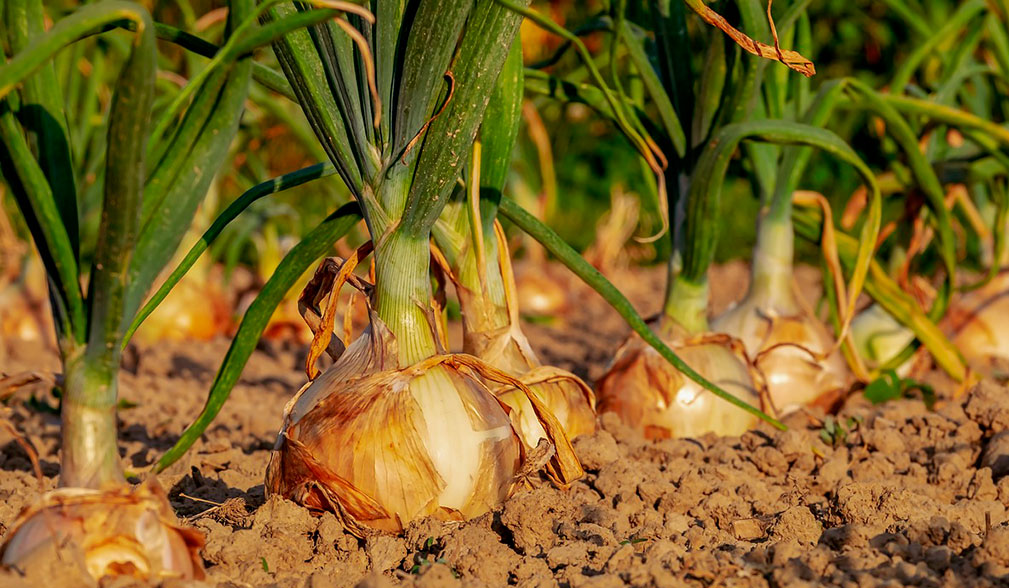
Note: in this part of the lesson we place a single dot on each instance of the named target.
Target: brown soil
(907, 497)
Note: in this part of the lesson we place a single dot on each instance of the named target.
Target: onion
(566, 396)
(979, 323)
(125, 531)
(492, 331)
(196, 309)
(539, 294)
(879, 337)
(651, 395)
(24, 313)
(382, 446)
(787, 341)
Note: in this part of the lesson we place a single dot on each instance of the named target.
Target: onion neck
(686, 307)
(772, 266)
(403, 292)
(90, 452)
(484, 306)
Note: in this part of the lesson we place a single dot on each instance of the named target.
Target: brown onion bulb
(564, 394)
(382, 446)
(652, 396)
(539, 294)
(194, 310)
(130, 532)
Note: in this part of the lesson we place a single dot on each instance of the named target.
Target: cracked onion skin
(125, 531)
(381, 446)
(652, 396)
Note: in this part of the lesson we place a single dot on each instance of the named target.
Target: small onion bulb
(652, 396)
(979, 324)
(794, 376)
(878, 338)
(129, 532)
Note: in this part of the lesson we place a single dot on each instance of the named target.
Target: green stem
(772, 262)
(483, 305)
(687, 306)
(403, 292)
(90, 456)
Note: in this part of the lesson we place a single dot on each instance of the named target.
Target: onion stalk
(650, 394)
(794, 350)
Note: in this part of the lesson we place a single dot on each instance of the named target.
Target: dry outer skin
(907, 497)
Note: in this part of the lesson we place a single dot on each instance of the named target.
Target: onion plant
(396, 97)
(958, 91)
(156, 171)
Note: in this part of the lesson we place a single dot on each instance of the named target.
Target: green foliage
(889, 386)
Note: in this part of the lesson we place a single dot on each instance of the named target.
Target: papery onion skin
(794, 376)
(979, 324)
(383, 447)
(569, 398)
(652, 396)
(127, 531)
(566, 395)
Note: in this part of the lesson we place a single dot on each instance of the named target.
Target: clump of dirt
(894, 495)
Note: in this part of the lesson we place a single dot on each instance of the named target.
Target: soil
(903, 496)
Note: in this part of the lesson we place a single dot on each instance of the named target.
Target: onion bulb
(381, 446)
(24, 313)
(126, 531)
(652, 396)
(979, 323)
(878, 338)
(196, 309)
(539, 294)
(786, 341)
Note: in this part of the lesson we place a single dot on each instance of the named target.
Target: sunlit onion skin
(649, 394)
(130, 532)
(794, 376)
(566, 395)
(878, 338)
(979, 326)
(382, 446)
